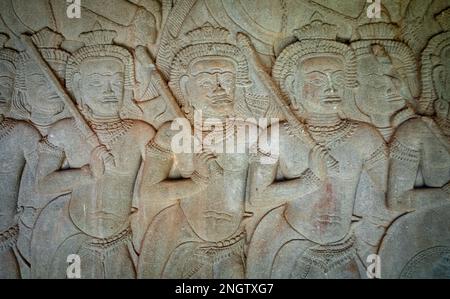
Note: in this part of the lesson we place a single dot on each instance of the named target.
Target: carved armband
(156, 151)
(45, 147)
(446, 188)
(401, 152)
(310, 179)
(263, 157)
(200, 180)
(379, 156)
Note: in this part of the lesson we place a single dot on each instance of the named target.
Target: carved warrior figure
(387, 76)
(18, 141)
(327, 224)
(94, 222)
(420, 150)
(37, 101)
(202, 235)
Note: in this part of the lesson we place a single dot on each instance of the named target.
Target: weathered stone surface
(225, 139)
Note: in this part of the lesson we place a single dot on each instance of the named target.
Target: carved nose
(218, 88)
(109, 90)
(331, 89)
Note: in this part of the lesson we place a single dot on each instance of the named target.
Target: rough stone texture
(347, 153)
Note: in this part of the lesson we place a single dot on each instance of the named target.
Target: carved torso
(216, 213)
(102, 207)
(327, 215)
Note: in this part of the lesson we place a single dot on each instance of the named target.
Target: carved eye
(6, 84)
(317, 82)
(206, 83)
(117, 83)
(395, 80)
(96, 83)
(339, 78)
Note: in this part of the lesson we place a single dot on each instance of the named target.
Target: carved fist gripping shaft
(244, 43)
(86, 130)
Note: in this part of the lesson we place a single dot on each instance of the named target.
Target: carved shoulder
(143, 131)
(29, 135)
(411, 132)
(63, 131)
(164, 135)
(369, 140)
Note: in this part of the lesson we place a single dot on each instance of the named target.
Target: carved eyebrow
(213, 72)
(104, 75)
(316, 72)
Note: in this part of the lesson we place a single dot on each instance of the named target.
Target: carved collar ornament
(6, 54)
(316, 39)
(6, 126)
(8, 238)
(109, 132)
(444, 125)
(203, 42)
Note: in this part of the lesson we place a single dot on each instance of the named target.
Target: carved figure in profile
(387, 77)
(18, 144)
(202, 235)
(420, 150)
(94, 221)
(37, 101)
(324, 225)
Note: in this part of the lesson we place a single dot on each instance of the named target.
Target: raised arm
(265, 189)
(159, 162)
(418, 152)
(371, 205)
(51, 179)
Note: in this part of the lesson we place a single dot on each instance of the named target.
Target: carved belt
(102, 247)
(8, 238)
(329, 257)
(217, 251)
(211, 253)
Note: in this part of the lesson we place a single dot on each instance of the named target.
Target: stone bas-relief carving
(18, 142)
(94, 111)
(204, 231)
(316, 235)
(96, 216)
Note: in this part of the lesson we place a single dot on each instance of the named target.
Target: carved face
(320, 84)
(441, 77)
(100, 85)
(42, 98)
(382, 90)
(210, 86)
(6, 86)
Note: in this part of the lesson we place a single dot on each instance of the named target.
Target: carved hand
(206, 165)
(318, 162)
(98, 163)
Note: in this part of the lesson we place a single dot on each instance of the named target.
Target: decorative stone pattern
(314, 137)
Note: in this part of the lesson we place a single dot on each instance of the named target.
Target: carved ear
(291, 86)
(184, 88)
(77, 88)
(438, 80)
